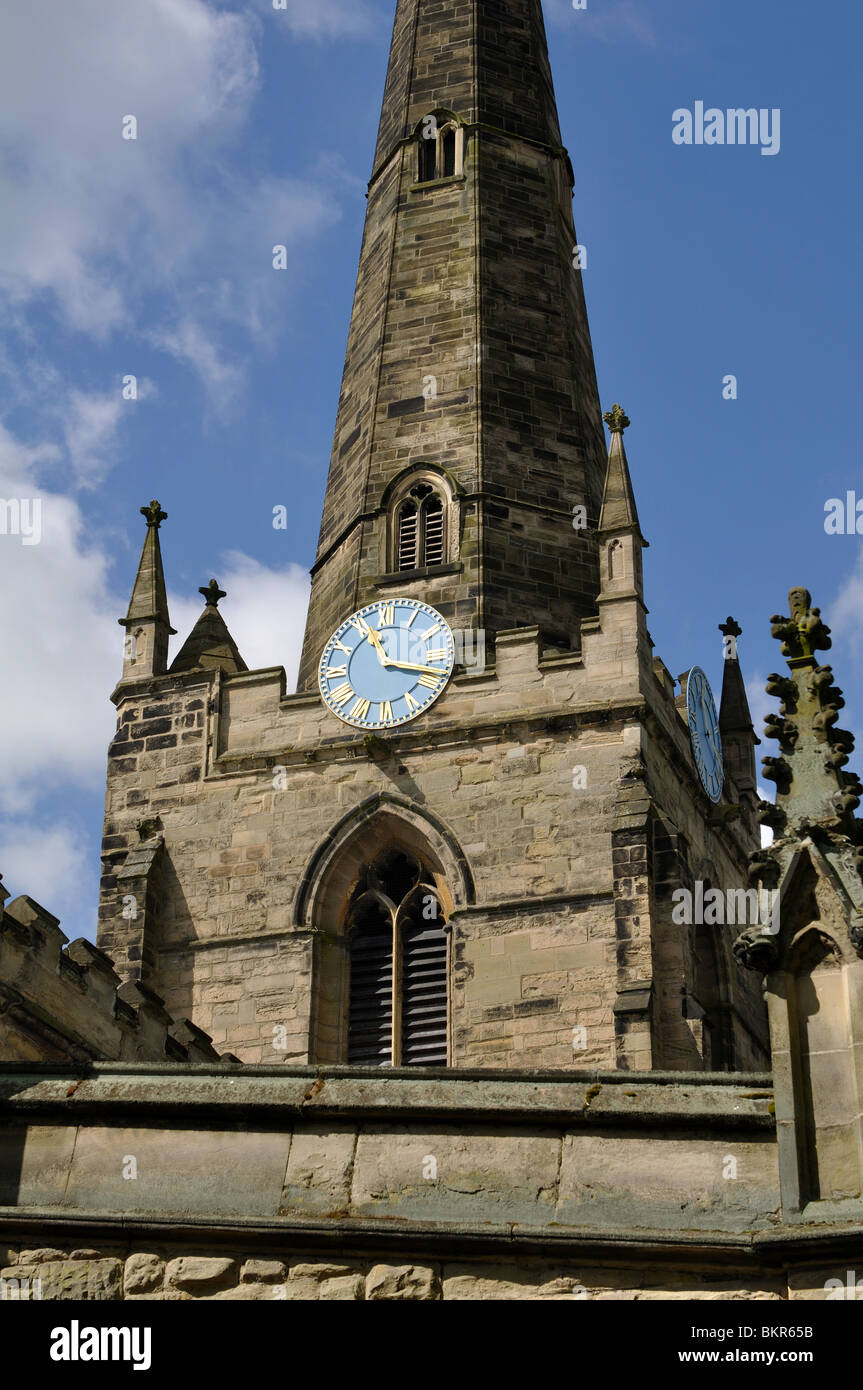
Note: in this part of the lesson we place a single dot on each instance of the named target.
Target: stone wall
(282, 1183)
(62, 1002)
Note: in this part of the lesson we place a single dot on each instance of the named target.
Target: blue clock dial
(386, 664)
(704, 733)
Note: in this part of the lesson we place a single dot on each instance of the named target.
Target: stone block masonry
(548, 883)
(352, 1183)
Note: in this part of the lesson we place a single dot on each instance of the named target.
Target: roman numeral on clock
(430, 631)
(360, 709)
(386, 710)
(360, 624)
(335, 671)
(342, 694)
(412, 704)
(436, 654)
(431, 682)
(386, 614)
(342, 648)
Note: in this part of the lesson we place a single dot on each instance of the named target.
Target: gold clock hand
(376, 643)
(409, 666)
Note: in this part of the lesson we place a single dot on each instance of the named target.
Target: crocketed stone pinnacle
(209, 644)
(619, 512)
(814, 794)
(734, 713)
(735, 720)
(149, 598)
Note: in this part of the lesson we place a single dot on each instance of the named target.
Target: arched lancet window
(441, 150)
(421, 529)
(399, 959)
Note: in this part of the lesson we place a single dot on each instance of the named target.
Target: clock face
(386, 664)
(704, 733)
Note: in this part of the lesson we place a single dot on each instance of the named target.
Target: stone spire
(469, 363)
(487, 62)
(735, 721)
(147, 623)
(209, 644)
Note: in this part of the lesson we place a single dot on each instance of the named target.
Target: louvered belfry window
(399, 955)
(441, 150)
(421, 529)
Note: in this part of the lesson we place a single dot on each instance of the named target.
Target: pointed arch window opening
(421, 529)
(441, 155)
(399, 960)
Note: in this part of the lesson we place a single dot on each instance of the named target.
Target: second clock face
(704, 733)
(386, 664)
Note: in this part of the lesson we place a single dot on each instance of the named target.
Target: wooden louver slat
(433, 532)
(408, 537)
(371, 1009)
(424, 996)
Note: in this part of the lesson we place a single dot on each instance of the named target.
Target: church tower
(469, 424)
(496, 876)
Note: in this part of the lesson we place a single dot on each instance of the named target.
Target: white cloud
(846, 615)
(265, 611)
(760, 703)
(168, 233)
(60, 640)
(189, 343)
(91, 421)
(49, 863)
(324, 18)
(767, 835)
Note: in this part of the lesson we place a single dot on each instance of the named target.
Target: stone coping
(764, 1249)
(620, 1099)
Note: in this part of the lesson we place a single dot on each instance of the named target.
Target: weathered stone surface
(318, 1272)
(193, 1272)
(507, 1176)
(727, 1183)
(318, 1172)
(263, 1272)
(203, 1170)
(143, 1273)
(88, 1280)
(349, 1287)
(251, 1293)
(400, 1282)
(34, 1163)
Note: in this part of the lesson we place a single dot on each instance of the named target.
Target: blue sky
(257, 127)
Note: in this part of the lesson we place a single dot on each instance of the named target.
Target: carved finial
(212, 593)
(803, 633)
(154, 514)
(616, 419)
(730, 628)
